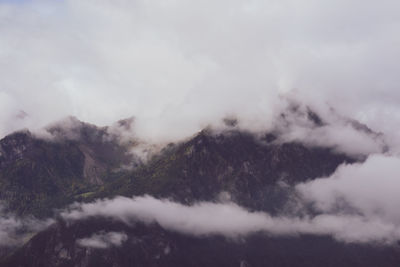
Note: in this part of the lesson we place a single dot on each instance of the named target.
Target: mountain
(39, 174)
(246, 166)
(256, 171)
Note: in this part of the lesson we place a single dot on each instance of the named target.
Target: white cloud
(103, 240)
(14, 230)
(229, 219)
(371, 188)
(337, 132)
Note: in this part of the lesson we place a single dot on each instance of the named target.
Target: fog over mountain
(202, 118)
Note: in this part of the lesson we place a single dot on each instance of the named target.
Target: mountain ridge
(83, 163)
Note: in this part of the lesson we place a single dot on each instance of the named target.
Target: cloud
(15, 231)
(343, 138)
(317, 127)
(180, 65)
(103, 240)
(370, 188)
(231, 220)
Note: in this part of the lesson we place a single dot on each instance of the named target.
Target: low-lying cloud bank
(103, 240)
(231, 220)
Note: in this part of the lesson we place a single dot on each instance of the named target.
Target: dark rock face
(150, 245)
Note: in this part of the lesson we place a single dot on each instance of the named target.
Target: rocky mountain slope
(256, 172)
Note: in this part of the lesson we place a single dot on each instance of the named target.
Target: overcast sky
(178, 65)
